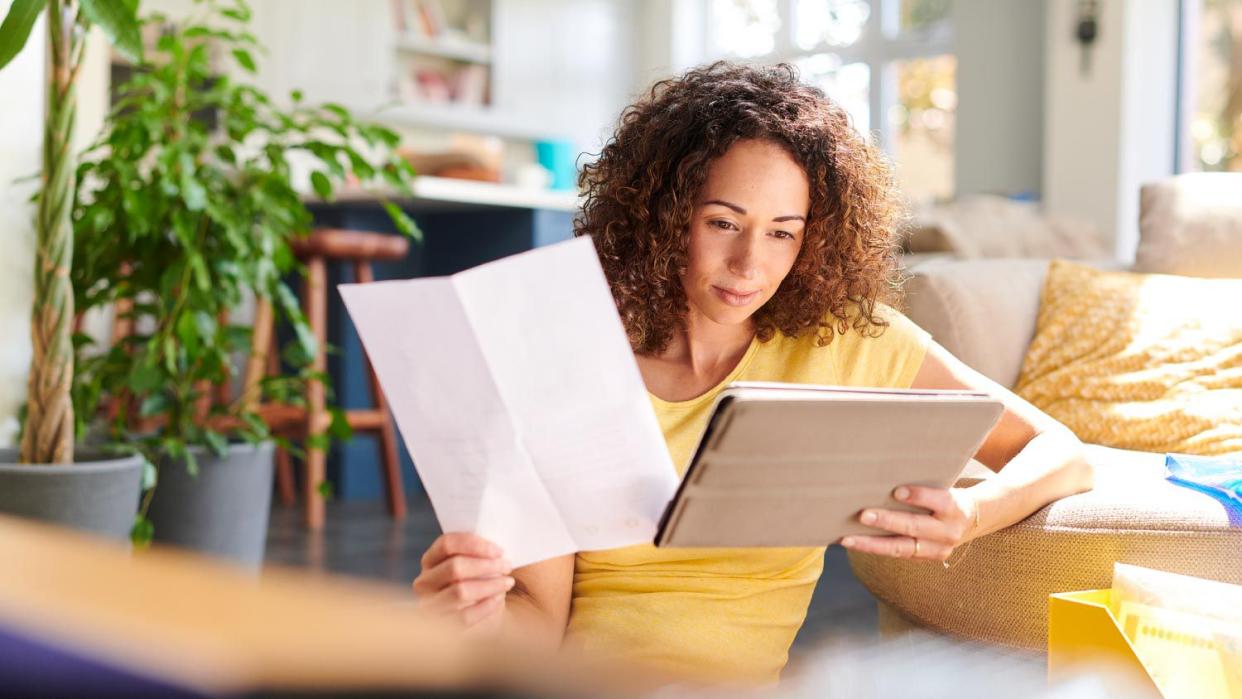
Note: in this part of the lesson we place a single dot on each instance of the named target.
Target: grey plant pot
(96, 494)
(223, 512)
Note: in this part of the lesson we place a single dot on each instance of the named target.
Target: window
(1212, 86)
(886, 62)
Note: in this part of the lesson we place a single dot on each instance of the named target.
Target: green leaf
(150, 474)
(385, 135)
(198, 33)
(256, 425)
(339, 427)
(187, 332)
(403, 222)
(341, 112)
(307, 344)
(144, 377)
(191, 463)
(142, 532)
(359, 164)
(193, 193)
(237, 337)
(325, 489)
(169, 353)
(245, 60)
(328, 156)
(216, 442)
(296, 96)
(206, 325)
(323, 187)
(153, 404)
(16, 28)
(241, 13)
(119, 20)
(201, 277)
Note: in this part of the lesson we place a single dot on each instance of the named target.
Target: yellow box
(1085, 636)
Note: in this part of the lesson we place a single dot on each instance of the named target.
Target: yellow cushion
(1146, 362)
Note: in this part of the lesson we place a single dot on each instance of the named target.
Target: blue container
(558, 158)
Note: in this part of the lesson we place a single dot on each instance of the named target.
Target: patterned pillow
(1149, 362)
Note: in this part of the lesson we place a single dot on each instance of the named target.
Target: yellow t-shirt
(727, 614)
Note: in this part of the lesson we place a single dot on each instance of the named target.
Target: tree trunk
(49, 429)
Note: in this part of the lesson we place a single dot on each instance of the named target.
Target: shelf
(451, 117)
(491, 194)
(457, 50)
(436, 192)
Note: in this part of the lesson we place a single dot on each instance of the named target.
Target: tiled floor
(361, 540)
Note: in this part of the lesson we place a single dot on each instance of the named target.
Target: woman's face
(746, 231)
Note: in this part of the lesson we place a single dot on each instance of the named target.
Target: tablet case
(793, 465)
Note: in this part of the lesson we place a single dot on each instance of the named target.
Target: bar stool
(324, 245)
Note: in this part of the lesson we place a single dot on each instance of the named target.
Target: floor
(361, 540)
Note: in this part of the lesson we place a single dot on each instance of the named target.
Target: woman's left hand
(954, 514)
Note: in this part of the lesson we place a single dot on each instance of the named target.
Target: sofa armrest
(982, 311)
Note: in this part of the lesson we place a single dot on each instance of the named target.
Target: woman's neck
(704, 346)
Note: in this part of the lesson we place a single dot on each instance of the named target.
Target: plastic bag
(1222, 475)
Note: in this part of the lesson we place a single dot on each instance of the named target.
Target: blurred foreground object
(1179, 635)
(81, 617)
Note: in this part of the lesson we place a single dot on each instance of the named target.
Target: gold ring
(916, 548)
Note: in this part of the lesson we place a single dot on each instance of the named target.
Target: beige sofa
(984, 312)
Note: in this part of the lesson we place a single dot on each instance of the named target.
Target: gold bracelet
(970, 543)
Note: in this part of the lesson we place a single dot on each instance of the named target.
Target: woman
(746, 231)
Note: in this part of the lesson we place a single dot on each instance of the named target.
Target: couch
(984, 311)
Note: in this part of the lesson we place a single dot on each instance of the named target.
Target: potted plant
(179, 218)
(48, 479)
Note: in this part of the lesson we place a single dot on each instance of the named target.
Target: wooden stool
(291, 421)
(316, 250)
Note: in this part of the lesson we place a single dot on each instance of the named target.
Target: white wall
(21, 122)
(1111, 129)
(998, 147)
(669, 39)
(565, 65)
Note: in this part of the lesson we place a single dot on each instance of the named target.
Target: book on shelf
(433, 16)
(471, 86)
(428, 83)
(398, 16)
(423, 18)
(427, 19)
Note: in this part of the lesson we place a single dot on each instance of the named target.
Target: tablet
(794, 464)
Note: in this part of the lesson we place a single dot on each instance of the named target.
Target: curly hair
(641, 191)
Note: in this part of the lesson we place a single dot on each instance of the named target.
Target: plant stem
(49, 430)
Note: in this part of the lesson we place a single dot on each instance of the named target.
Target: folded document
(518, 396)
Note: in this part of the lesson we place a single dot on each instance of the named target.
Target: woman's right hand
(465, 577)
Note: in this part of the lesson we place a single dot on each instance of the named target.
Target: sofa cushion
(1192, 225)
(1147, 362)
(984, 225)
(997, 590)
(982, 311)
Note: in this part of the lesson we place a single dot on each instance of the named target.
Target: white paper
(517, 394)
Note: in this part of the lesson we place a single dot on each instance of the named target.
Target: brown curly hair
(641, 191)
